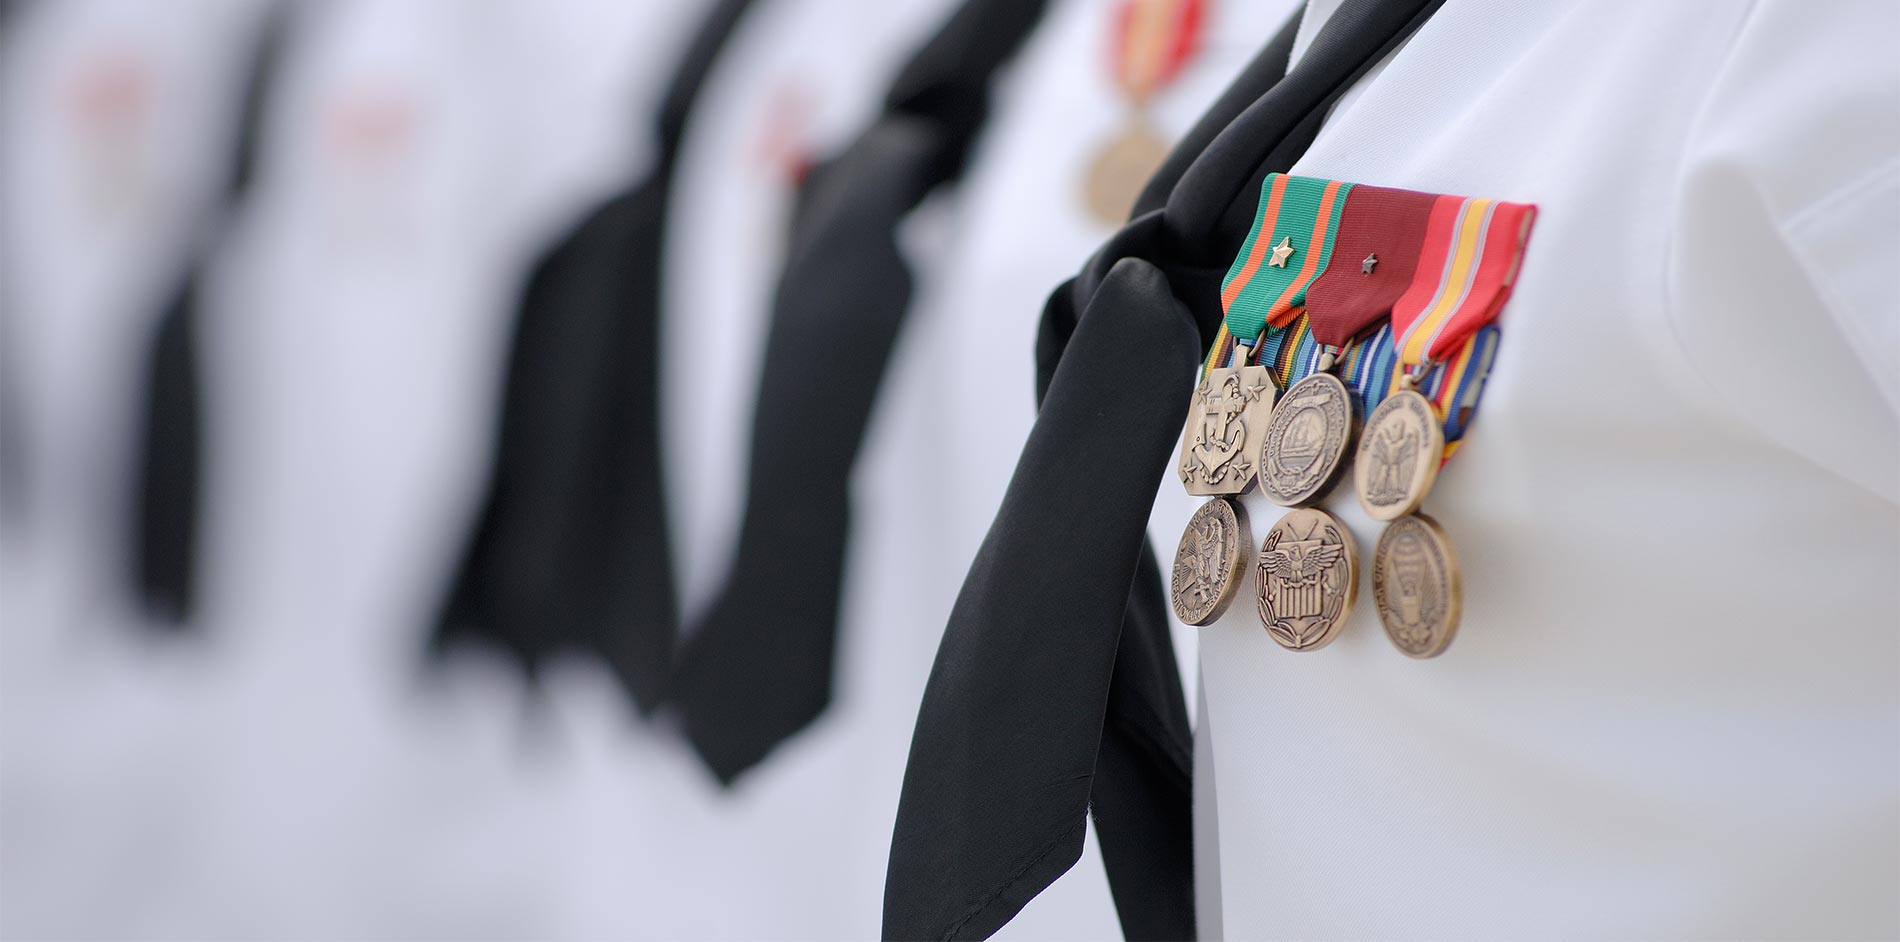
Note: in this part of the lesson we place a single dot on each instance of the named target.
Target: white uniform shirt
(1673, 706)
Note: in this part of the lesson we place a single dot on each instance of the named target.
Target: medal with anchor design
(1292, 242)
(1226, 419)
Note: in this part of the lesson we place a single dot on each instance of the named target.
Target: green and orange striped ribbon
(1288, 246)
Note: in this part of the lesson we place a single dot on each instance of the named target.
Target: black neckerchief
(570, 546)
(759, 666)
(169, 491)
(1054, 691)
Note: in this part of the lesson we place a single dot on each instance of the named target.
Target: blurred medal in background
(1152, 40)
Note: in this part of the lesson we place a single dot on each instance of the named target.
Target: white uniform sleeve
(1785, 246)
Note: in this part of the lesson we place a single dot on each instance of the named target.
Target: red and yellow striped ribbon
(1465, 273)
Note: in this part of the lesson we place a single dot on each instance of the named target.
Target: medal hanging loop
(1243, 351)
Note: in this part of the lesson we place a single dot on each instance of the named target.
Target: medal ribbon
(1454, 385)
(1443, 266)
(1289, 244)
(1465, 273)
(1381, 234)
(1153, 40)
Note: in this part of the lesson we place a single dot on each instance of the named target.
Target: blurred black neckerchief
(570, 548)
(169, 493)
(1054, 692)
(758, 667)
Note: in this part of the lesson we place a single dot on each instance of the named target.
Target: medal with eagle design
(1437, 351)
(1400, 450)
(1309, 574)
(1207, 565)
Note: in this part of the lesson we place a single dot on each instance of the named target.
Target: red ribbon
(1375, 253)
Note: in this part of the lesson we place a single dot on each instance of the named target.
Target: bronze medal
(1227, 418)
(1118, 172)
(1309, 574)
(1417, 586)
(1306, 440)
(1207, 565)
(1400, 450)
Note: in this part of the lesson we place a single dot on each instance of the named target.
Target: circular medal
(1417, 587)
(1118, 172)
(1306, 440)
(1207, 565)
(1400, 450)
(1309, 574)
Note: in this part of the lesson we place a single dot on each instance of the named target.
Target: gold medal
(1118, 172)
(1417, 586)
(1305, 445)
(1207, 564)
(1227, 419)
(1400, 450)
(1309, 574)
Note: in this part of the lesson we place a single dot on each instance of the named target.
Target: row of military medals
(1242, 432)
(1293, 446)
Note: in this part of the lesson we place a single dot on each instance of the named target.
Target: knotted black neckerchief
(1054, 692)
(759, 667)
(570, 549)
(168, 494)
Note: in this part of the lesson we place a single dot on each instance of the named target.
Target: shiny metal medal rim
(1454, 581)
(1236, 567)
(1433, 447)
(1349, 558)
(1337, 458)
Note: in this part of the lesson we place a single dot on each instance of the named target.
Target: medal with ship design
(1305, 445)
(1207, 564)
(1308, 575)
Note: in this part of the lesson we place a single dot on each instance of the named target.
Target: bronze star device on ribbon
(1307, 299)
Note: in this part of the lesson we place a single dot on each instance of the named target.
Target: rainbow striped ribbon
(1466, 270)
